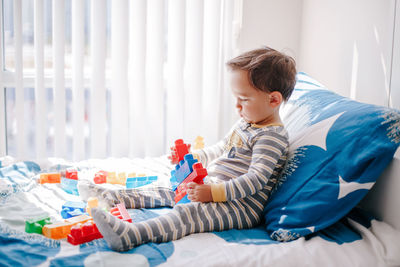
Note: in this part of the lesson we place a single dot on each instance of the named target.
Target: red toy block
(196, 176)
(121, 213)
(100, 177)
(59, 230)
(82, 233)
(178, 151)
(71, 174)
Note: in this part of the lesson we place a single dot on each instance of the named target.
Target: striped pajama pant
(183, 219)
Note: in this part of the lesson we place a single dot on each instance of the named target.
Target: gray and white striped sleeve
(268, 148)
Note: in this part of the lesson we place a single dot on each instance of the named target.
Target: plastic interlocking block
(70, 186)
(72, 209)
(198, 143)
(83, 233)
(134, 182)
(59, 230)
(91, 203)
(100, 177)
(113, 178)
(71, 174)
(35, 224)
(196, 176)
(178, 151)
(184, 168)
(51, 178)
(121, 213)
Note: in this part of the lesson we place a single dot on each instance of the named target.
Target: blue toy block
(134, 182)
(184, 168)
(72, 209)
(174, 182)
(70, 186)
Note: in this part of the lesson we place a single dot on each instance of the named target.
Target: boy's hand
(199, 192)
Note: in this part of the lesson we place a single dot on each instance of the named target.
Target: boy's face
(253, 105)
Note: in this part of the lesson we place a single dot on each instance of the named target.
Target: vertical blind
(141, 73)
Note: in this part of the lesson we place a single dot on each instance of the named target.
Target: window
(84, 79)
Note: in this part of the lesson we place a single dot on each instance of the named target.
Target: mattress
(356, 240)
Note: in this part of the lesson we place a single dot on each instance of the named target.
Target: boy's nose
(238, 105)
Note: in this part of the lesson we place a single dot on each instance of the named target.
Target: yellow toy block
(198, 143)
(112, 178)
(121, 178)
(91, 203)
(61, 230)
(78, 219)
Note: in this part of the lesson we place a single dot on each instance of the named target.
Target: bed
(350, 224)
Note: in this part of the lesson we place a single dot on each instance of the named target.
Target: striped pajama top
(247, 162)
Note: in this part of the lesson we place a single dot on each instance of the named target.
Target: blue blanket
(21, 194)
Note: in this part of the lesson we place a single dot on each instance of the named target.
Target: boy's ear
(275, 98)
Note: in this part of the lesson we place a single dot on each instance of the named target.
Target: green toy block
(35, 225)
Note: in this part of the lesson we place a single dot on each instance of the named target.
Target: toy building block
(78, 219)
(134, 182)
(132, 174)
(111, 178)
(82, 233)
(100, 177)
(35, 225)
(91, 203)
(198, 143)
(57, 230)
(184, 168)
(121, 179)
(61, 230)
(178, 151)
(72, 209)
(51, 178)
(196, 176)
(71, 174)
(121, 213)
(70, 186)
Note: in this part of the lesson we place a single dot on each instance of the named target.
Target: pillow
(338, 148)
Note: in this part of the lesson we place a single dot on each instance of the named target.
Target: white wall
(275, 23)
(345, 44)
(395, 81)
(351, 46)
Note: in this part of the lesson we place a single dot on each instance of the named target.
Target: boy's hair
(269, 70)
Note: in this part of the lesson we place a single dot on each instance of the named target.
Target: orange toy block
(56, 230)
(61, 230)
(51, 178)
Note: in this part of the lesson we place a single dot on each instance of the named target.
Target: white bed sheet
(373, 243)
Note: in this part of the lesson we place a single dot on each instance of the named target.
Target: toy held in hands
(178, 151)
